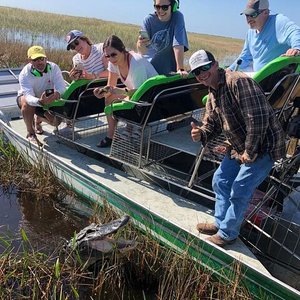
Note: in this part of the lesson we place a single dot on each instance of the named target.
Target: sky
(214, 17)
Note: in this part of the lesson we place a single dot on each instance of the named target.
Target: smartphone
(144, 34)
(49, 92)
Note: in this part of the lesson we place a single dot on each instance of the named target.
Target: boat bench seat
(78, 100)
(158, 98)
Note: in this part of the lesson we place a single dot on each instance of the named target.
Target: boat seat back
(79, 101)
(160, 97)
(276, 70)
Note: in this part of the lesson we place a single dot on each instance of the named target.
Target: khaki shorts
(39, 111)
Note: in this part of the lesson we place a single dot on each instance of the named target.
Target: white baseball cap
(200, 58)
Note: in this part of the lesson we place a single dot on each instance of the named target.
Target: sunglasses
(204, 68)
(112, 55)
(254, 15)
(38, 59)
(74, 44)
(163, 7)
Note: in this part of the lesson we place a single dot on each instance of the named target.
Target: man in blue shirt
(166, 39)
(269, 36)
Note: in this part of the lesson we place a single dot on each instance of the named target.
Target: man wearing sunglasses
(41, 82)
(166, 39)
(269, 36)
(238, 108)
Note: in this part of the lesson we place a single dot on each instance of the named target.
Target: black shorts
(39, 111)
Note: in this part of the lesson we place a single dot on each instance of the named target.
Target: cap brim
(248, 11)
(200, 65)
(34, 56)
(70, 42)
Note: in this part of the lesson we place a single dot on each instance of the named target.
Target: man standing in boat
(237, 107)
(41, 83)
(268, 37)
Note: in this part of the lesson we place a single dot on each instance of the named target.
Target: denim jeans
(234, 185)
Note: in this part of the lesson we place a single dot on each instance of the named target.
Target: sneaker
(207, 228)
(217, 240)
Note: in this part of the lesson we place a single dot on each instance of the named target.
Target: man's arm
(246, 57)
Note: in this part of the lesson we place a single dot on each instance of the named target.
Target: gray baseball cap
(255, 6)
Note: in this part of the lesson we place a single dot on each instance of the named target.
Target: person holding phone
(89, 61)
(41, 82)
(163, 38)
(131, 68)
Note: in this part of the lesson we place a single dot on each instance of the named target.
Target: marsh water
(47, 223)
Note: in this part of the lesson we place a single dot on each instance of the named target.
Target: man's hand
(49, 99)
(292, 52)
(195, 132)
(243, 158)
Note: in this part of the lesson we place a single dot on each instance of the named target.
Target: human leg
(248, 178)
(28, 114)
(222, 181)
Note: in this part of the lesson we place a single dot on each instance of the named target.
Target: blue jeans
(234, 185)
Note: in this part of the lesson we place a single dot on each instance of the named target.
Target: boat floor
(177, 210)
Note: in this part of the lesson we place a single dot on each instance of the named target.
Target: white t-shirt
(140, 69)
(32, 86)
(94, 63)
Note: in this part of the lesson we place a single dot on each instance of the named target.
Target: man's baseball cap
(200, 58)
(35, 52)
(72, 36)
(255, 6)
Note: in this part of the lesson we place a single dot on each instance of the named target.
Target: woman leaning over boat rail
(131, 68)
(89, 62)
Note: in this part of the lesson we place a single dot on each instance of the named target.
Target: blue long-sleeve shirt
(277, 36)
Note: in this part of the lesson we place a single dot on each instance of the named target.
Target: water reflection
(46, 222)
(28, 37)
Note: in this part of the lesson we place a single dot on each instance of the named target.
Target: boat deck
(176, 210)
(9, 83)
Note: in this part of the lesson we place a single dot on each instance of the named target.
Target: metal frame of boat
(157, 175)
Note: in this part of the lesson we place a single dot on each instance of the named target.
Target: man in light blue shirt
(269, 36)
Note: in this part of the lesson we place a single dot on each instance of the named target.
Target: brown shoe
(207, 228)
(216, 239)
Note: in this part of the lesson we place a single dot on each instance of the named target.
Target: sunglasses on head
(111, 55)
(74, 44)
(204, 68)
(163, 7)
(39, 59)
(254, 15)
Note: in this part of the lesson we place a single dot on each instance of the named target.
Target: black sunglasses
(74, 44)
(111, 55)
(254, 15)
(39, 59)
(163, 7)
(204, 68)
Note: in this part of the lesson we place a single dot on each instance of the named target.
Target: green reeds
(149, 271)
(32, 24)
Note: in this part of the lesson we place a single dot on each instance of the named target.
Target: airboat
(156, 174)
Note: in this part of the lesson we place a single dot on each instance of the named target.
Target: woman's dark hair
(114, 42)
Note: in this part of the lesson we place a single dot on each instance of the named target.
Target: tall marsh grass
(32, 24)
(149, 271)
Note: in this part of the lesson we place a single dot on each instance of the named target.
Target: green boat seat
(78, 100)
(272, 73)
(160, 97)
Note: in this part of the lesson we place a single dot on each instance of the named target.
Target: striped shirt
(94, 63)
(240, 110)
